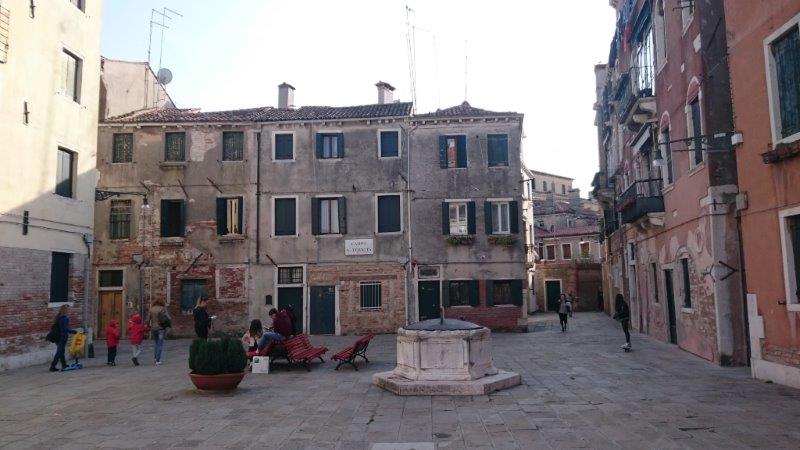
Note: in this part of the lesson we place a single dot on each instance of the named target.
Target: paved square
(579, 391)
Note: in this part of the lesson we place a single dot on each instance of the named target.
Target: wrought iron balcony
(640, 199)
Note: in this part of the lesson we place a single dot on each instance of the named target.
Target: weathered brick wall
(497, 317)
(24, 293)
(352, 319)
(789, 356)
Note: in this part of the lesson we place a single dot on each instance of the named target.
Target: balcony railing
(641, 198)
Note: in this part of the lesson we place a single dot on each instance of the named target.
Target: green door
(553, 293)
(322, 310)
(292, 297)
(428, 297)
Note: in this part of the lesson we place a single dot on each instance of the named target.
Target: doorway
(322, 310)
(673, 326)
(191, 290)
(109, 308)
(428, 294)
(552, 290)
(292, 297)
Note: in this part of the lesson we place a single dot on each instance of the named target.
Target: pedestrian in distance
(202, 321)
(623, 314)
(159, 321)
(112, 340)
(60, 332)
(136, 332)
(564, 311)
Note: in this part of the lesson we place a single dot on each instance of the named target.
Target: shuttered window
(70, 75)
(687, 288)
(497, 149)
(390, 144)
(173, 218)
(284, 146)
(122, 151)
(452, 152)
(503, 292)
(232, 146)
(285, 217)
(551, 252)
(389, 213)
(330, 145)
(120, 219)
(59, 277)
(370, 295)
(230, 216)
(697, 131)
(65, 165)
(786, 54)
(566, 251)
(793, 226)
(328, 216)
(175, 147)
(463, 293)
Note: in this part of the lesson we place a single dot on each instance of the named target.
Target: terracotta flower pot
(221, 382)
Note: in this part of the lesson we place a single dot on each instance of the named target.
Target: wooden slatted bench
(275, 349)
(300, 351)
(348, 355)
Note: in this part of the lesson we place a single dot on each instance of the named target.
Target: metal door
(428, 297)
(191, 290)
(673, 326)
(109, 308)
(322, 310)
(292, 297)
(553, 292)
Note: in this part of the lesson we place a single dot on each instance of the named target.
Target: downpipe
(88, 239)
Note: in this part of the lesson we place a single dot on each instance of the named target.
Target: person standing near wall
(159, 321)
(624, 316)
(564, 311)
(202, 321)
(61, 323)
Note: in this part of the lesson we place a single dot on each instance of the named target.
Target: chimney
(285, 96)
(384, 92)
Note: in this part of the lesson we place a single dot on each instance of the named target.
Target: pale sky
(533, 57)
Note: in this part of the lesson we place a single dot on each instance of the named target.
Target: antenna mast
(163, 15)
(412, 69)
(465, 70)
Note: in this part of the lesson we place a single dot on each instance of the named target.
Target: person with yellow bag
(59, 335)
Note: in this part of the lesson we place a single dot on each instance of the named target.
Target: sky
(532, 57)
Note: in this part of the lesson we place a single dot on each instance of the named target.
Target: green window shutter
(319, 145)
(461, 151)
(513, 217)
(445, 293)
(471, 229)
(222, 215)
(445, 218)
(164, 217)
(487, 216)
(315, 222)
(342, 215)
(489, 293)
(443, 152)
(241, 214)
(183, 218)
(341, 145)
(786, 53)
(516, 292)
(794, 230)
(474, 293)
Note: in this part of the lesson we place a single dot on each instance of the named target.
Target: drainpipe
(410, 270)
(258, 197)
(88, 239)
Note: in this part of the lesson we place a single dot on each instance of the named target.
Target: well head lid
(442, 325)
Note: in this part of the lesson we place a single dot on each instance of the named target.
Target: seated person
(281, 328)
(251, 337)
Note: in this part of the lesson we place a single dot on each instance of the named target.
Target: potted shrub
(218, 364)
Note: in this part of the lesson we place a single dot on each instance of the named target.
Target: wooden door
(109, 308)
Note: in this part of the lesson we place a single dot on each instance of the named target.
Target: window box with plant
(506, 240)
(466, 239)
(217, 365)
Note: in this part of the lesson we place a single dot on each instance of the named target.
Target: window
(59, 277)
(790, 240)
(501, 217)
(497, 149)
(666, 170)
(631, 252)
(585, 250)
(290, 275)
(462, 293)
(645, 76)
(173, 218)
(563, 189)
(65, 166)
(687, 288)
(544, 186)
(78, 4)
(109, 278)
(232, 146)
(696, 130)
(175, 147)
(284, 146)
(459, 221)
(229, 215)
(370, 295)
(428, 272)
(389, 213)
(122, 152)
(452, 152)
(328, 215)
(285, 217)
(551, 252)
(687, 12)
(330, 145)
(661, 33)
(654, 269)
(71, 75)
(389, 144)
(785, 64)
(503, 292)
(566, 251)
(540, 250)
(120, 220)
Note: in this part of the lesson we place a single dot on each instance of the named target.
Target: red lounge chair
(300, 351)
(349, 354)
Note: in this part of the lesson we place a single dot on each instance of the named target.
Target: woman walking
(62, 324)
(624, 316)
(159, 321)
(564, 310)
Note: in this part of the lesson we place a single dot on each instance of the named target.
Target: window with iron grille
(110, 278)
(71, 67)
(463, 293)
(120, 220)
(371, 295)
(232, 146)
(175, 147)
(290, 275)
(123, 148)
(786, 57)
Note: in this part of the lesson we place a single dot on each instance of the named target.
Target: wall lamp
(100, 195)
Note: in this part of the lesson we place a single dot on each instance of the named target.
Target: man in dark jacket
(281, 328)
(624, 316)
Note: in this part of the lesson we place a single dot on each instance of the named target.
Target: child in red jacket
(136, 331)
(112, 339)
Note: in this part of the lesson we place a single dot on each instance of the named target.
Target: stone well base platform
(482, 386)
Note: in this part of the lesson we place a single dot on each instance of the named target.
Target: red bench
(348, 355)
(300, 351)
(274, 350)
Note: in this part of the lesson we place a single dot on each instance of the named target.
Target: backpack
(163, 319)
(54, 334)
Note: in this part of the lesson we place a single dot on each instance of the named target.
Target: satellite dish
(164, 75)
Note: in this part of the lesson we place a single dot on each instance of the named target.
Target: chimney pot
(285, 96)
(385, 91)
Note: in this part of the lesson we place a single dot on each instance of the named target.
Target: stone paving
(579, 391)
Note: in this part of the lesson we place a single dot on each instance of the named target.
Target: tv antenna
(412, 58)
(163, 15)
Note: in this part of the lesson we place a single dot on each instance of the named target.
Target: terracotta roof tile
(465, 110)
